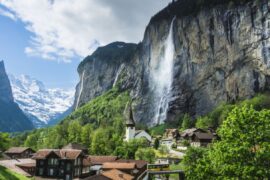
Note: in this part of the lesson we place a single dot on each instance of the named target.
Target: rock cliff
(220, 52)
(12, 119)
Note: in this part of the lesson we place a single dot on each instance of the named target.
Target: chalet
(97, 162)
(64, 163)
(131, 132)
(116, 174)
(201, 139)
(198, 137)
(172, 134)
(135, 168)
(19, 152)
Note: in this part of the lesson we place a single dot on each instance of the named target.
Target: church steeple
(129, 116)
(130, 123)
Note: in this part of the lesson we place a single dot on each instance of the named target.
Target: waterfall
(81, 89)
(117, 74)
(163, 78)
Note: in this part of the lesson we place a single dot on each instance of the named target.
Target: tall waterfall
(80, 92)
(117, 74)
(163, 78)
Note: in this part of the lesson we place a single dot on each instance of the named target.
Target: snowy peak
(38, 102)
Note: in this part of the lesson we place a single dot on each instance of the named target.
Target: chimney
(121, 176)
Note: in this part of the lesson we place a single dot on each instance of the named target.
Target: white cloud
(7, 14)
(63, 29)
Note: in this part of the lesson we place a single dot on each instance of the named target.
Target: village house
(198, 137)
(64, 163)
(131, 132)
(19, 152)
(135, 168)
(172, 134)
(97, 162)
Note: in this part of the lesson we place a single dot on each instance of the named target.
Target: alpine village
(191, 100)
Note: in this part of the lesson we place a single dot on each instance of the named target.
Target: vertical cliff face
(5, 88)
(100, 71)
(12, 119)
(220, 54)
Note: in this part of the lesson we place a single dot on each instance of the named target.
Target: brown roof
(27, 165)
(98, 160)
(190, 132)
(86, 162)
(98, 177)
(139, 163)
(74, 146)
(16, 150)
(200, 135)
(115, 174)
(118, 165)
(63, 153)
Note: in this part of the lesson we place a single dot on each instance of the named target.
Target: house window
(68, 166)
(40, 171)
(41, 162)
(53, 161)
(68, 177)
(51, 172)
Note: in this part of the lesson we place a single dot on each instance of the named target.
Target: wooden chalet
(134, 168)
(198, 137)
(60, 164)
(19, 152)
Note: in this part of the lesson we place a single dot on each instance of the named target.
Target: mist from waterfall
(163, 78)
(80, 92)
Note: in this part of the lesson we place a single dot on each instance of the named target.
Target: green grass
(175, 167)
(6, 174)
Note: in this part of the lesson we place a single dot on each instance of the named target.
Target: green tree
(243, 151)
(147, 154)
(156, 143)
(164, 150)
(74, 132)
(86, 134)
(5, 141)
(187, 122)
(128, 149)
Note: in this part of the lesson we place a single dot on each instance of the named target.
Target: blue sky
(14, 38)
(47, 39)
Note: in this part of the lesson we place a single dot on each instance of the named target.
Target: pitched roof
(118, 165)
(69, 153)
(97, 177)
(27, 165)
(98, 160)
(207, 136)
(63, 153)
(189, 132)
(16, 150)
(139, 163)
(86, 162)
(74, 146)
(115, 174)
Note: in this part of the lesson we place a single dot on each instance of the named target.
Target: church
(131, 132)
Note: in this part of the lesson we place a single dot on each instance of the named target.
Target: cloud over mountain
(62, 29)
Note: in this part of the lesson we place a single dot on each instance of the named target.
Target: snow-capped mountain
(39, 103)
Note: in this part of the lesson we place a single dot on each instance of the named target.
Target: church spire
(129, 116)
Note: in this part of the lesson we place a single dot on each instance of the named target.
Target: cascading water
(80, 92)
(163, 78)
(117, 74)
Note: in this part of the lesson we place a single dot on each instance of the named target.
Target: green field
(6, 174)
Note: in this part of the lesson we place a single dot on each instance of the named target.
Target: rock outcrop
(222, 54)
(12, 119)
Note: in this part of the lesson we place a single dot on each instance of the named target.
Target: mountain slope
(219, 50)
(40, 104)
(12, 119)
